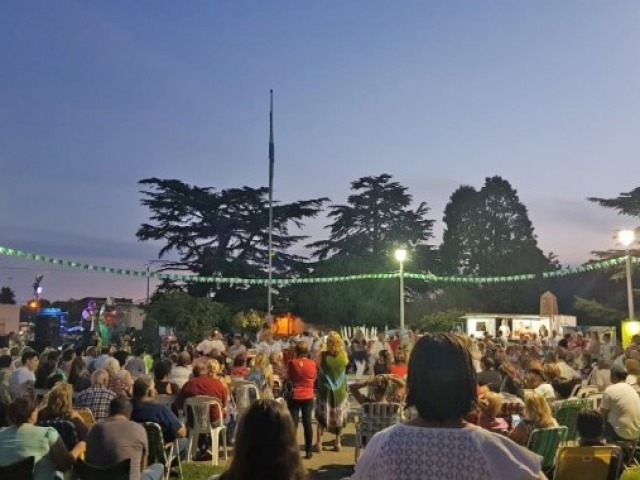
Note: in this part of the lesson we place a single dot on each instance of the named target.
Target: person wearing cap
(620, 408)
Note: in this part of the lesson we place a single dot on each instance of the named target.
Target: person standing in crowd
(359, 353)
(98, 397)
(268, 345)
(438, 444)
(302, 373)
(266, 447)
(332, 405)
(117, 438)
(620, 408)
(376, 347)
(23, 379)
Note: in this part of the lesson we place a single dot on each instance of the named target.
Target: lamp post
(627, 238)
(401, 256)
(148, 265)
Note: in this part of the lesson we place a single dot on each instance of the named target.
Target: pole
(148, 271)
(271, 167)
(629, 287)
(401, 298)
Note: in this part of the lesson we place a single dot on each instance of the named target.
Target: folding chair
(159, 452)
(567, 415)
(588, 463)
(375, 417)
(199, 408)
(65, 428)
(545, 442)
(86, 415)
(22, 469)
(596, 399)
(119, 471)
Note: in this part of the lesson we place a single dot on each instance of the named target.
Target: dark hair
(28, 355)
(120, 406)
(68, 355)
(184, 359)
(20, 410)
(302, 349)
(161, 370)
(240, 360)
(589, 423)
(141, 387)
(442, 382)
(5, 361)
(138, 351)
(77, 365)
(121, 356)
(563, 387)
(487, 362)
(266, 446)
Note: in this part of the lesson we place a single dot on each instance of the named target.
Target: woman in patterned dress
(332, 401)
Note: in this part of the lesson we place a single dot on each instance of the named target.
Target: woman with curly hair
(57, 405)
(332, 401)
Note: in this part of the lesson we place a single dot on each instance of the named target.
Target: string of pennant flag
(283, 282)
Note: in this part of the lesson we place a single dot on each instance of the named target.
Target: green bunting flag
(285, 282)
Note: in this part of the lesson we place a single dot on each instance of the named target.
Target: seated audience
(535, 381)
(620, 408)
(145, 410)
(380, 389)
(590, 430)
(57, 405)
(79, 376)
(161, 372)
(239, 368)
(181, 373)
(489, 376)
(381, 367)
(97, 397)
(442, 387)
(23, 379)
(117, 438)
(537, 414)
(23, 439)
(266, 447)
(135, 365)
(120, 381)
(489, 406)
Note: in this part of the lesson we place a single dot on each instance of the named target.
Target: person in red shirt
(399, 367)
(302, 373)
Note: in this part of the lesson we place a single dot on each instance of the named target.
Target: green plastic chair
(158, 452)
(567, 415)
(545, 442)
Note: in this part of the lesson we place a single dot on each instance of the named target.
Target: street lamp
(148, 265)
(401, 256)
(627, 238)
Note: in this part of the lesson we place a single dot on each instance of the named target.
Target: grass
(199, 471)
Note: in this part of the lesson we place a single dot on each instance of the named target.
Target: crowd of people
(453, 389)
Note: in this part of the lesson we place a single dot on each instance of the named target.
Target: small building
(517, 325)
(9, 319)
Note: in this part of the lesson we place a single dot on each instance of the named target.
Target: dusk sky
(96, 95)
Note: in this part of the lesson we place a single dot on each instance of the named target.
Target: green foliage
(441, 321)
(592, 312)
(200, 470)
(488, 232)
(376, 219)
(625, 204)
(7, 296)
(190, 317)
(250, 320)
(223, 232)
(369, 302)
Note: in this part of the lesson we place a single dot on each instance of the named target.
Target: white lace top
(416, 453)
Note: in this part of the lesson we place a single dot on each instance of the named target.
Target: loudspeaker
(47, 331)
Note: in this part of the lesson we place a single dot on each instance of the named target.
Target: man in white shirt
(213, 343)
(23, 379)
(269, 345)
(620, 408)
(535, 381)
(236, 349)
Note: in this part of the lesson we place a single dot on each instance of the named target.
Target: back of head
(490, 404)
(302, 349)
(100, 378)
(58, 401)
(20, 410)
(141, 387)
(589, 424)
(536, 410)
(120, 406)
(266, 445)
(184, 359)
(442, 381)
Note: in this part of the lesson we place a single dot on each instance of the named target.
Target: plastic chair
(119, 471)
(158, 451)
(596, 399)
(86, 415)
(22, 469)
(373, 418)
(586, 390)
(65, 428)
(200, 408)
(588, 463)
(244, 393)
(545, 442)
(567, 415)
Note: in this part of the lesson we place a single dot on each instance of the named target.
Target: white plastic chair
(244, 393)
(200, 408)
(596, 398)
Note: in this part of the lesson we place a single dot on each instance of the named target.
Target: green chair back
(545, 442)
(156, 443)
(567, 415)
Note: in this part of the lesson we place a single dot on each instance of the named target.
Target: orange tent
(287, 324)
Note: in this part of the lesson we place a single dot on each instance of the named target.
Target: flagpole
(271, 165)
